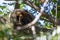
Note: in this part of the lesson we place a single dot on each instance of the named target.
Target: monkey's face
(19, 14)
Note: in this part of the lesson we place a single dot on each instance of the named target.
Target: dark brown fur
(24, 16)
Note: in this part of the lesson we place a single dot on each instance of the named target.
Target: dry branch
(3, 20)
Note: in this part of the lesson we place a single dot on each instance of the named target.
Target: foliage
(5, 15)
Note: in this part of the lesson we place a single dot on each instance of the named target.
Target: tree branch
(51, 19)
(32, 5)
(3, 20)
(37, 17)
(17, 5)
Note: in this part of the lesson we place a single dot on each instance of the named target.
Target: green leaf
(2, 7)
(21, 6)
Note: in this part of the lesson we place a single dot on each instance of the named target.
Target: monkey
(21, 17)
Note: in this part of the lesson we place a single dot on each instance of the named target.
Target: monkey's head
(19, 13)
